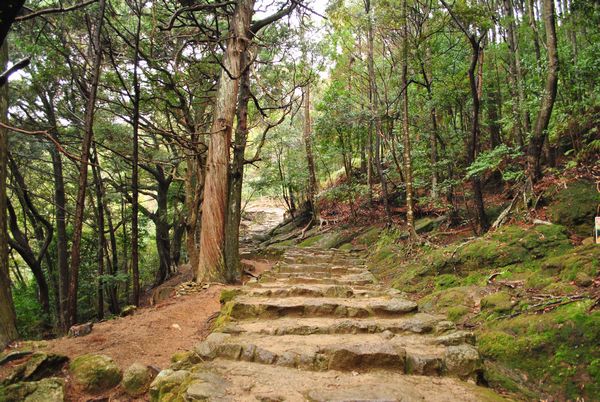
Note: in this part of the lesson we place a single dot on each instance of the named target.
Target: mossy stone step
(418, 355)
(249, 307)
(420, 323)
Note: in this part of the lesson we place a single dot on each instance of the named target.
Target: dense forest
(134, 132)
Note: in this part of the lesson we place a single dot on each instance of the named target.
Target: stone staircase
(319, 328)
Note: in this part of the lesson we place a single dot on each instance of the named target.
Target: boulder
(137, 379)
(46, 390)
(38, 366)
(95, 373)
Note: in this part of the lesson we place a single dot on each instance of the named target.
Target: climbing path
(318, 328)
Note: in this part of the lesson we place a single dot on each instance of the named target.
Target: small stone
(80, 330)
(137, 379)
(95, 373)
(462, 361)
(587, 241)
(456, 338)
(264, 356)
(444, 326)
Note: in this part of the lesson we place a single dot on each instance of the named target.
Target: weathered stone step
(250, 307)
(317, 268)
(227, 380)
(365, 278)
(315, 290)
(316, 274)
(419, 323)
(410, 354)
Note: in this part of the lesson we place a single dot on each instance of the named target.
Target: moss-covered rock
(557, 351)
(95, 373)
(137, 379)
(228, 295)
(575, 207)
(46, 390)
(499, 302)
(36, 367)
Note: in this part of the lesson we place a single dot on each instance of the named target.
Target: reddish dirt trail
(150, 336)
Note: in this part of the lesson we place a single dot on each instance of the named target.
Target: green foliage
(488, 161)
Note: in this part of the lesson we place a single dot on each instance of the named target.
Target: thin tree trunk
(101, 237)
(83, 168)
(310, 160)
(134, 166)
(211, 264)
(62, 247)
(406, 154)
(8, 325)
(534, 151)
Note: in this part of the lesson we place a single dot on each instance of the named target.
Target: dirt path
(318, 328)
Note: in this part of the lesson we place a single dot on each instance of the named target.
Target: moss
(311, 241)
(559, 347)
(369, 237)
(228, 294)
(446, 281)
(499, 302)
(224, 316)
(575, 207)
(346, 247)
(457, 312)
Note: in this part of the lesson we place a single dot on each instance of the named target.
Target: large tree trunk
(236, 176)
(83, 168)
(161, 221)
(211, 264)
(534, 151)
(8, 326)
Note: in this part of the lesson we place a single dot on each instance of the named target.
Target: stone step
(356, 279)
(317, 268)
(227, 380)
(245, 307)
(315, 290)
(316, 274)
(410, 354)
(419, 323)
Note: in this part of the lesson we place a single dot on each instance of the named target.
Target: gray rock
(462, 361)
(456, 338)
(167, 379)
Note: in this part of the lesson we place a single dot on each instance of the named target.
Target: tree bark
(83, 168)
(534, 151)
(8, 325)
(236, 177)
(310, 159)
(62, 250)
(134, 166)
(406, 154)
(211, 264)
